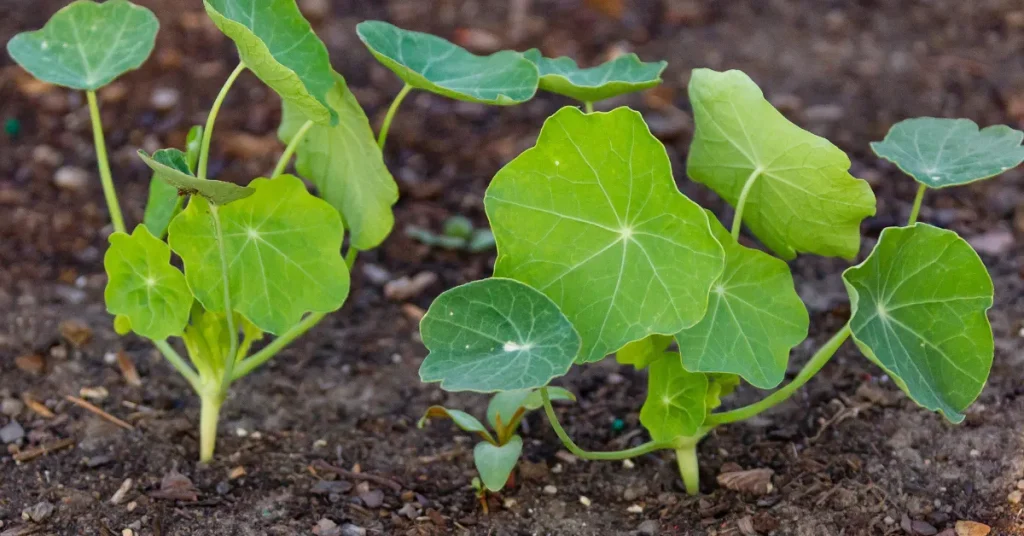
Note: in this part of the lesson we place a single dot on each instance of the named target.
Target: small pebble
(635, 509)
(550, 490)
(12, 433)
(71, 178)
(38, 513)
(11, 407)
(121, 492)
(223, 488)
(326, 527)
(127, 532)
(1020, 485)
(585, 501)
(628, 464)
(349, 529)
(975, 453)
(648, 528)
(1015, 496)
(47, 156)
(164, 98)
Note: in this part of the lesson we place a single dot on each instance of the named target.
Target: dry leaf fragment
(76, 332)
(175, 486)
(972, 528)
(128, 370)
(754, 481)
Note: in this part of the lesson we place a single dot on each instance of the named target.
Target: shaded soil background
(850, 454)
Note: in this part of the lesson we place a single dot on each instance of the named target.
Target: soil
(850, 454)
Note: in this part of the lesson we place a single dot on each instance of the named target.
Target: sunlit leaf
(507, 403)
(642, 353)
(171, 166)
(495, 463)
(164, 203)
(676, 400)
(624, 74)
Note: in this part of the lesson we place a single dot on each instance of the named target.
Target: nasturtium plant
(624, 74)
(458, 234)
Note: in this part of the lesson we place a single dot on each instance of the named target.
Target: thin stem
(689, 468)
(589, 107)
(914, 212)
(204, 152)
(812, 367)
(350, 257)
(282, 163)
(737, 220)
(101, 161)
(229, 311)
(178, 362)
(209, 415)
(383, 137)
(252, 362)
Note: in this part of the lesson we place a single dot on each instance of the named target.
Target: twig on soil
(37, 407)
(86, 405)
(42, 450)
(387, 482)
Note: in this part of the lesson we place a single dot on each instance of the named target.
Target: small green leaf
(164, 203)
(624, 74)
(481, 240)
(592, 217)
(507, 403)
(347, 167)
(278, 45)
(919, 303)
(463, 420)
(122, 325)
(144, 290)
(949, 152)
(87, 45)
(433, 64)
(676, 400)
(495, 463)
(458, 227)
(171, 166)
(720, 385)
(642, 353)
(754, 318)
(283, 253)
(495, 335)
(803, 198)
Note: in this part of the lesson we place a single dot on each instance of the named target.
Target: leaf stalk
(918, 199)
(689, 468)
(204, 152)
(250, 363)
(383, 136)
(282, 163)
(178, 362)
(588, 107)
(100, 144)
(737, 220)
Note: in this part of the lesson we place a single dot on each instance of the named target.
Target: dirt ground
(850, 454)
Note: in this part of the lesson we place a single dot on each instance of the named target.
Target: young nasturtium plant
(458, 234)
(591, 219)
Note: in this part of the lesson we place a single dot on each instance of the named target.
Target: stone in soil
(11, 407)
(38, 513)
(12, 433)
(74, 179)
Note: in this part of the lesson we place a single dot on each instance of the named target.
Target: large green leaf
(642, 353)
(143, 288)
(282, 249)
(803, 199)
(87, 45)
(754, 318)
(278, 45)
(433, 64)
(164, 203)
(347, 167)
(919, 303)
(171, 166)
(495, 463)
(591, 217)
(624, 74)
(950, 152)
(495, 335)
(676, 403)
(508, 403)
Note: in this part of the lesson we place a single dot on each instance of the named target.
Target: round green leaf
(676, 403)
(495, 463)
(754, 318)
(624, 74)
(949, 152)
(282, 247)
(433, 64)
(87, 45)
(507, 403)
(919, 303)
(642, 353)
(803, 198)
(591, 217)
(278, 45)
(495, 335)
(144, 290)
(171, 166)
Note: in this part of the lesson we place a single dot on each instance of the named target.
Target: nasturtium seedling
(171, 166)
(624, 74)
(164, 201)
(458, 234)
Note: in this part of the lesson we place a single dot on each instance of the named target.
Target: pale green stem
(101, 161)
(204, 152)
(178, 362)
(229, 314)
(209, 415)
(914, 212)
(350, 257)
(383, 136)
(252, 362)
(737, 220)
(689, 468)
(282, 163)
(812, 367)
(589, 107)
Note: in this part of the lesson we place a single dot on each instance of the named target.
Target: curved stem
(812, 367)
(737, 219)
(282, 163)
(104, 165)
(350, 257)
(178, 362)
(383, 137)
(229, 310)
(204, 151)
(689, 468)
(588, 107)
(914, 212)
(252, 362)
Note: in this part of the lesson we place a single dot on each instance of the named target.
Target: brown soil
(850, 454)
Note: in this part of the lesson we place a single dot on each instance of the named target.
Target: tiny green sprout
(619, 76)
(458, 234)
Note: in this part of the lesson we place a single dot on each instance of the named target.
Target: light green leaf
(87, 45)
(508, 403)
(495, 463)
(676, 400)
(346, 165)
(171, 166)
(624, 74)
(463, 420)
(143, 288)
(754, 318)
(495, 335)
(278, 45)
(803, 198)
(720, 385)
(591, 217)
(919, 303)
(164, 203)
(433, 64)
(949, 152)
(642, 353)
(282, 248)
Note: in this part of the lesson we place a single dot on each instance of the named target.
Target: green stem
(350, 257)
(101, 161)
(290, 149)
(229, 311)
(252, 362)
(737, 220)
(812, 367)
(689, 468)
(914, 212)
(178, 362)
(204, 152)
(588, 107)
(383, 137)
(209, 415)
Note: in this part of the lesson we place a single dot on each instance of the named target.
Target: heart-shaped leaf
(164, 203)
(463, 420)
(591, 217)
(431, 63)
(495, 463)
(143, 288)
(624, 74)
(642, 353)
(87, 45)
(949, 152)
(919, 303)
(278, 45)
(282, 248)
(346, 165)
(495, 335)
(754, 318)
(171, 166)
(676, 400)
(802, 198)
(508, 403)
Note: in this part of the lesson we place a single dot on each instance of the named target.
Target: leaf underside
(164, 203)
(624, 74)
(463, 420)
(171, 166)
(676, 400)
